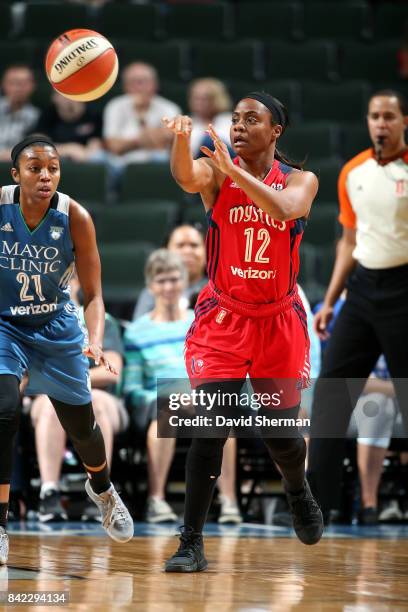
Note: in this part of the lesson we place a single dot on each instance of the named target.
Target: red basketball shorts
(267, 342)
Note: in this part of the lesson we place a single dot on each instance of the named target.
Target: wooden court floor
(245, 574)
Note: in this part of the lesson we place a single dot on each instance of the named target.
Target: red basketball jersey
(250, 256)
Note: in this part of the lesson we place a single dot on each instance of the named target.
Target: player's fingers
(169, 123)
(213, 134)
(187, 126)
(108, 366)
(179, 124)
(207, 151)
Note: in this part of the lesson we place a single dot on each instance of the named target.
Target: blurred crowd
(128, 129)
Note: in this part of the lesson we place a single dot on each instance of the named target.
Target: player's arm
(193, 175)
(344, 262)
(88, 267)
(290, 203)
(343, 265)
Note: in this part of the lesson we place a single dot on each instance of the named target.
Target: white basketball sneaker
(116, 519)
(4, 546)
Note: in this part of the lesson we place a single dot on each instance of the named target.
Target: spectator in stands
(154, 349)
(132, 123)
(75, 127)
(188, 241)
(110, 415)
(17, 115)
(372, 259)
(209, 102)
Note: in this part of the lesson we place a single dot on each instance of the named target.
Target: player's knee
(205, 457)
(283, 450)
(9, 417)
(45, 411)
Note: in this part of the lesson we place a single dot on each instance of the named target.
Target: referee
(372, 261)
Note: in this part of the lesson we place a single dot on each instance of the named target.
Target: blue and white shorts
(51, 355)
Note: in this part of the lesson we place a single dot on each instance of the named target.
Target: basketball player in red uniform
(249, 319)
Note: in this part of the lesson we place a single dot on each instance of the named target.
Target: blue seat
(307, 60)
(340, 20)
(345, 101)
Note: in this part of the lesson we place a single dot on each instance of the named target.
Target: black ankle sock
(100, 481)
(3, 514)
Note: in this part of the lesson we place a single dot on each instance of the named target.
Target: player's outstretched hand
(220, 155)
(321, 321)
(180, 125)
(95, 352)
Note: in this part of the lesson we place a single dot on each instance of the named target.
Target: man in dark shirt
(74, 126)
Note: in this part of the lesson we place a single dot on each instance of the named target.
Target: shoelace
(189, 542)
(310, 503)
(116, 510)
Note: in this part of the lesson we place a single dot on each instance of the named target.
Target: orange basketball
(81, 65)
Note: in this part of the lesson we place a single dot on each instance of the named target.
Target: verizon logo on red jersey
(251, 273)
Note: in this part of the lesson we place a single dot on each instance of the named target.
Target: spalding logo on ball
(81, 65)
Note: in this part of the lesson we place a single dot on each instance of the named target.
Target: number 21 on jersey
(24, 280)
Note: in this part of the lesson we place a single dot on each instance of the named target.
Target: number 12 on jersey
(262, 235)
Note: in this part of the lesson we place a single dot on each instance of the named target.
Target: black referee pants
(373, 320)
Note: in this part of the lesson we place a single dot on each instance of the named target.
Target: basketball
(81, 65)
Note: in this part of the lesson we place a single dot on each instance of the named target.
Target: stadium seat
(354, 139)
(316, 265)
(176, 91)
(312, 59)
(328, 174)
(197, 21)
(262, 20)
(308, 271)
(42, 92)
(12, 53)
(138, 222)
(339, 21)
(122, 269)
(133, 21)
(150, 181)
(389, 20)
(239, 60)
(85, 182)
(6, 27)
(5, 175)
(311, 140)
(322, 227)
(169, 58)
(51, 20)
(194, 213)
(371, 62)
(326, 255)
(345, 101)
